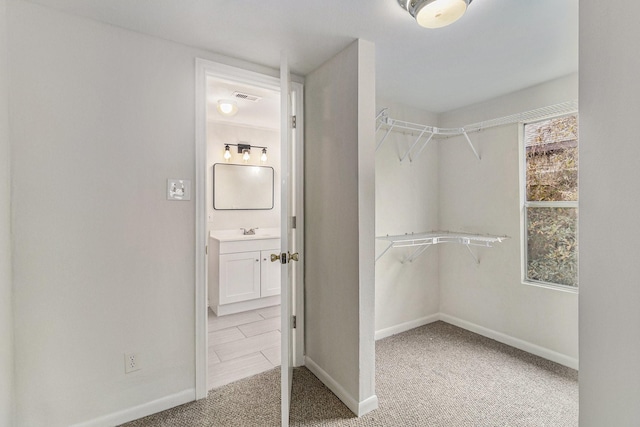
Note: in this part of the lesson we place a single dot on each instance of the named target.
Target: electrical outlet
(131, 362)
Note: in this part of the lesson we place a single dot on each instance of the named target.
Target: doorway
(243, 221)
(239, 217)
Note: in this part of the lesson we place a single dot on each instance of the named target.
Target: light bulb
(245, 155)
(263, 158)
(227, 153)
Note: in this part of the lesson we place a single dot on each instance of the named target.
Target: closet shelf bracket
(422, 241)
(471, 145)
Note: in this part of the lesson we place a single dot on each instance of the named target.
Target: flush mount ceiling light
(435, 13)
(227, 107)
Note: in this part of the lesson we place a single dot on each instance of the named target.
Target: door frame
(204, 68)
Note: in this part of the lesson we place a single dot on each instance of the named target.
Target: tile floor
(243, 344)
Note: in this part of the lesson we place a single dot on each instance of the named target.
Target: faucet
(249, 231)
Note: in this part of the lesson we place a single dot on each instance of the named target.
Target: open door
(286, 241)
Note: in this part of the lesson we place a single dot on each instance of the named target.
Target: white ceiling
(263, 113)
(499, 46)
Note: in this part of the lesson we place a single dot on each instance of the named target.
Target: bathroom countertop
(236, 234)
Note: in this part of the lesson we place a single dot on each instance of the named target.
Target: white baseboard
(358, 408)
(140, 411)
(543, 352)
(403, 327)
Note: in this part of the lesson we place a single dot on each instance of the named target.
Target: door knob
(275, 257)
(293, 256)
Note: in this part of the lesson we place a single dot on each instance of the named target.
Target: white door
(286, 241)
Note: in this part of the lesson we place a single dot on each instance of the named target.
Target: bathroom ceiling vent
(246, 96)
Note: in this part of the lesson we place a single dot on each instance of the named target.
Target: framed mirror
(242, 187)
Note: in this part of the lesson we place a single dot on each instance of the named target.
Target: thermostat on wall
(179, 189)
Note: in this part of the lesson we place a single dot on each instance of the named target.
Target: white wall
(406, 201)
(103, 263)
(217, 135)
(609, 227)
(6, 305)
(339, 224)
(482, 196)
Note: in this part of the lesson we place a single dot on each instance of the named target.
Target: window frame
(524, 204)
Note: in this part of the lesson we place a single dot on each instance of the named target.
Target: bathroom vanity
(241, 275)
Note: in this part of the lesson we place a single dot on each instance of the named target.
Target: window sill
(561, 288)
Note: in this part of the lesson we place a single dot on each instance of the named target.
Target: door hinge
(293, 122)
(206, 250)
(293, 222)
(294, 323)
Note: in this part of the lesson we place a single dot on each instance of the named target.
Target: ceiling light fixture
(227, 107)
(435, 13)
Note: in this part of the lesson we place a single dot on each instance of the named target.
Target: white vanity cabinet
(241, 275)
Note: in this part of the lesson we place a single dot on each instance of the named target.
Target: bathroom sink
(237, 234)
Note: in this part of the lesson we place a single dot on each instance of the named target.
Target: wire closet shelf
(422, 241)
(426, 133)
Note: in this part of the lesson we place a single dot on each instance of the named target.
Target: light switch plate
(179, 189)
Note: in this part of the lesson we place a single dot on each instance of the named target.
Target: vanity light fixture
(245, 150)
(435, 13)
(227, 107)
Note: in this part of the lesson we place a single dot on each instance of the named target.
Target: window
(550, 202)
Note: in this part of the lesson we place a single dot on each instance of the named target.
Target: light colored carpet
(435, 375)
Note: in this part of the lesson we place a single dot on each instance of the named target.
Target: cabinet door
(270, 274)
(239, 277)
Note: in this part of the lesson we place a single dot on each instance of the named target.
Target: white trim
(560, 204)
(403, 327)
(522, 196)
(537, 350)
(298, 359)
(201, 303)
(368, 405)
(552, 286)
(358, 408)
(136, 412)
(534, 349)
